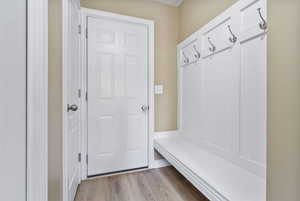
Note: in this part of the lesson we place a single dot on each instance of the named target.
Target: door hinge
(86, 32)
(86, 96)
(79, 28)
(79, 157)
(87, 159)
(79, 93)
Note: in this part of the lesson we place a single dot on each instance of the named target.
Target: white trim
(162, 134)
(171, 2)
(65, 24)
(150, 25)
(83, 101)
(37, 100)
(117, 173)
(161, 163)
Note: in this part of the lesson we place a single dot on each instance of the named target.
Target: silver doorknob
(73, 108)
(145, 108)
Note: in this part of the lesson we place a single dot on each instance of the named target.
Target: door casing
(37, 100)
(150, 27)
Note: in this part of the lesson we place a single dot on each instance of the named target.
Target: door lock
(73, 108)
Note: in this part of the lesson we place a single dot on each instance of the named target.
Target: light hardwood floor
(164, 184)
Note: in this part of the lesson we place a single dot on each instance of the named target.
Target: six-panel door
(117, 92)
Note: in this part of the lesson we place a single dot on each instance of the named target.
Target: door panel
(73, 85)
(13, 100)
(117, 88)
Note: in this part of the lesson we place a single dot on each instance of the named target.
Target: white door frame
(150, 26)
(37, 100)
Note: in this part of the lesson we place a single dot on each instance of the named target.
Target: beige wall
(55, 101)
(166, 38)
(196, 13)
(284, 100)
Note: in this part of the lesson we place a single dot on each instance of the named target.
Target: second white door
(72, 110)
(117, 96)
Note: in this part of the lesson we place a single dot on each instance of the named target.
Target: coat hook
(197, 55)
(213, 47)
(232, 39)
(186, 59)
(262, 25)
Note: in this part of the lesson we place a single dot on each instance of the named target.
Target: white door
(73, 99)
(13, 100)
(117, 96)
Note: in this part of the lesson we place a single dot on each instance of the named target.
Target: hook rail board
(222, 105)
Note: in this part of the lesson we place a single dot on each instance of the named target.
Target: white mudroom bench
(216, 178)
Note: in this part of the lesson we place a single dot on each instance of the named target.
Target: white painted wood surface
(117, 91)
(150, 29)
(71, 87)
(215, 177)
(221, 141)
(37, 100)
(13, 100)
(253, 88)
(222, 96)
(161, 163)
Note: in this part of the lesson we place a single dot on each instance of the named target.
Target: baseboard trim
(161, 163)
(162, 134)
(95, 177)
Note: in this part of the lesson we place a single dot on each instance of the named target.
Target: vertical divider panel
(252, 144)
(190, 85)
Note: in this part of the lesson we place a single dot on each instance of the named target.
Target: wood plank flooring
(164, 184)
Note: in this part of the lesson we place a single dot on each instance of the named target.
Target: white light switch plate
(159, 89)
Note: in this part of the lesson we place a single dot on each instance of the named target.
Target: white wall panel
(221, 100)
(253, 44)
(253, 101)
(13, 100)
(223, 94)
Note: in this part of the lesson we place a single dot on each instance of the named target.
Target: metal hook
(213, 47)
(262, 25)
(186, 59)
(232, 39)
(197, 55)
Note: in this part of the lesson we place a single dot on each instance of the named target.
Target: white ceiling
(171, 2)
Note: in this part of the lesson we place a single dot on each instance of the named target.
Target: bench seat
(217, 178)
